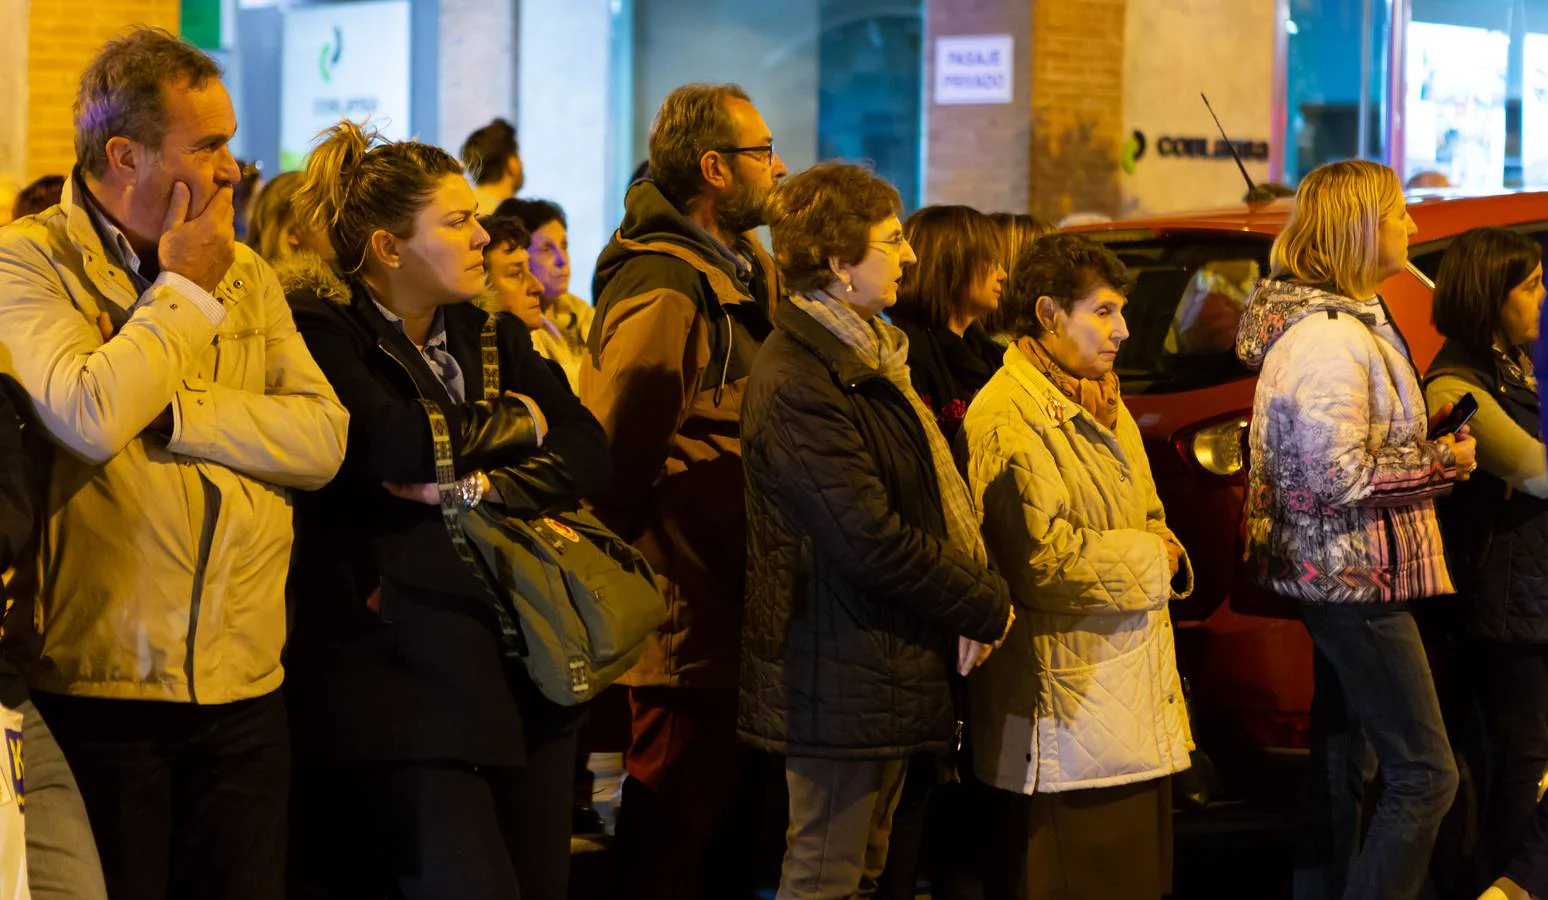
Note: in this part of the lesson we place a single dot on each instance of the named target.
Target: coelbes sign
(978, 69)
(343, 61)
(1204, 148)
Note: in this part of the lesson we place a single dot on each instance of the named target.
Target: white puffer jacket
(1085, 692)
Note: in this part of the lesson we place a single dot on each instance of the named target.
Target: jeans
(1380, 670)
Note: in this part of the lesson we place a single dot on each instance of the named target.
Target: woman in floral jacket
(1340, 513)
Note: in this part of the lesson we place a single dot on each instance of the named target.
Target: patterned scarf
(884, 348)
(1098, 396)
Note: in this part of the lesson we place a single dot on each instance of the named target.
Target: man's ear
(125, 157)
(715, 170)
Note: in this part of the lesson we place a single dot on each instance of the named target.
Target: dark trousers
(433, 830)
(1514, 697)
(943, 830)
(692, 820)
(1375, 660)
(185, 801)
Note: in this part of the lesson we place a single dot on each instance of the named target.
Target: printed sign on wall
(343, 61)
(975, 69)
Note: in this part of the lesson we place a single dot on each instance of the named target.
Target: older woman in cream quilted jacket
(1081, 713)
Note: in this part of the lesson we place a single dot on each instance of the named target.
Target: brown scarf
(1098, 396)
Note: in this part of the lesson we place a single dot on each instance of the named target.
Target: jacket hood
(1274, 306)
(306, 272)
(651, 224)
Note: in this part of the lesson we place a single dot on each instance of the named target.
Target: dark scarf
(1098, 396)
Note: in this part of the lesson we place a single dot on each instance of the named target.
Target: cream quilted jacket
(1085, 692)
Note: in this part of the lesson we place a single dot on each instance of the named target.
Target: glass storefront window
(1337, 81)
(1476, 105)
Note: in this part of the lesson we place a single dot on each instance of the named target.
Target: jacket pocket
(239, 359)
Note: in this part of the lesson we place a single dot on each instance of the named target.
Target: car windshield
(1188, 296)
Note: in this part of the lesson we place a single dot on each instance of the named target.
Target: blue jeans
(1379, 668)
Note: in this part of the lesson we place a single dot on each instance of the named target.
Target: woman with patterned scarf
(1080, 715)
(867, 580)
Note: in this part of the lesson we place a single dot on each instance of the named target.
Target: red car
(1246, 660)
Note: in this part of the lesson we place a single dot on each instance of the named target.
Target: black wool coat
(855, 597)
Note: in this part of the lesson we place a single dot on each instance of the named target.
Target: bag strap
(490, 350)
(512, 644)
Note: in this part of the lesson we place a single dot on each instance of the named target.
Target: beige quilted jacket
(1085, 692)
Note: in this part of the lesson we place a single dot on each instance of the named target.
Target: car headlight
(1218, 448)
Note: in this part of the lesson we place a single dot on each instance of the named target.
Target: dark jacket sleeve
(573, 462)
(17, 506)
(829, 482)
(389, 434)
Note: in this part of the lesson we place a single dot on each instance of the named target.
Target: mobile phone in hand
(1462, 412)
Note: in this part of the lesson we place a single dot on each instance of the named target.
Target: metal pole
(1363, 126)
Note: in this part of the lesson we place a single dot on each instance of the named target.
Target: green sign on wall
(200, 23)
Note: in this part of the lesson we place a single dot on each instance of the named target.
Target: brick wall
(978, 155)
(63, 36)
(1054, 149)
(1077, 106)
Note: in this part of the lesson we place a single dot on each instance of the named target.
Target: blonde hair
(1331, 238)
(357, 182)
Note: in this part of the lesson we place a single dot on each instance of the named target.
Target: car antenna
(1251, 188)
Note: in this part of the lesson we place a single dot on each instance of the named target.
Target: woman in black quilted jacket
(867, 579)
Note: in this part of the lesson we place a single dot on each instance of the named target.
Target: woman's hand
(1464, 449)
(1174, 552)
(415, 493)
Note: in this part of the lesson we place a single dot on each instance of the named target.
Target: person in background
(1340, 516)
(181, 408)
(493, 162)
(868, 584)
(548, 253)
(684, 293)
(1267, 192)
(38, 196)
(1488, 295)
(277, 230)
(1017, 232)
(249, 189)
(1429, 180)
(1080, 716)
(428, 764)
(941, 300)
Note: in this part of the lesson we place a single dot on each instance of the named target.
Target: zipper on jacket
(206, 542)
(1392, 547)
(725, 366)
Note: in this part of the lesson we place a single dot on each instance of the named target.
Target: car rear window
(1188, 296)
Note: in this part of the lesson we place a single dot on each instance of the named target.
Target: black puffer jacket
(855, 598)
(1497, 539)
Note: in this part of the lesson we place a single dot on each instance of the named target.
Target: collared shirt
(442, 364)
(116, 244)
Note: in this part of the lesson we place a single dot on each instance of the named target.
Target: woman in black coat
(427, 764)
(867, 580)
(1488, 294)
(942, 302)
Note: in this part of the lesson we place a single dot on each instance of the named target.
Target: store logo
(329, 58)
(1133, 151)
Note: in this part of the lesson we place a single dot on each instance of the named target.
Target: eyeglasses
(765, 149)
(895, 245)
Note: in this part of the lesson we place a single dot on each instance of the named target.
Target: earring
(849, 287)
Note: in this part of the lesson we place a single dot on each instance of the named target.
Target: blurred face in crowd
(550, 253)
(1518, 318)
(442, 260)
(515, 288)
(875, 277)
(984, 293)
(754, 172)
(199, 127)
(1392, 243)
(1085, 338)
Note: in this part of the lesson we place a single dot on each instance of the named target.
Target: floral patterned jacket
(1340, 496)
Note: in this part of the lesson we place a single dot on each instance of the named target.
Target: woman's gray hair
(122, 92)
(692, 121)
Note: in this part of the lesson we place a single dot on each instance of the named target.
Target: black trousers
(431, 829)
(185, 801)
(1514, 697)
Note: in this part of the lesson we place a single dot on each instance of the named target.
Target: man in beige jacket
(182, 407)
